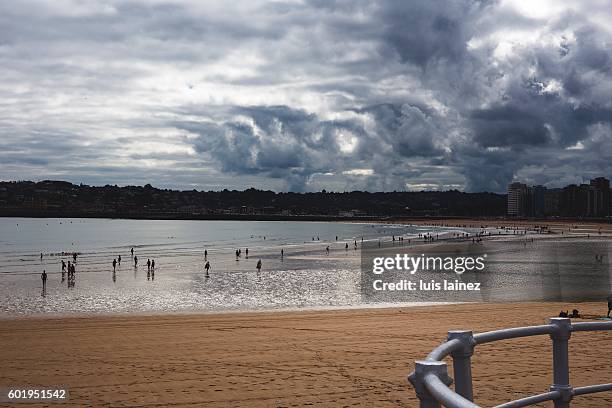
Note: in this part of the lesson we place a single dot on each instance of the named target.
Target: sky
(306, 95)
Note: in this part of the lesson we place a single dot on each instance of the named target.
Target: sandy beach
(332, 358)
(316, 358)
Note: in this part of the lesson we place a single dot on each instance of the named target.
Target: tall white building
(517, 194)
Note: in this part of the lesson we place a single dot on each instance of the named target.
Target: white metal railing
(430, 378)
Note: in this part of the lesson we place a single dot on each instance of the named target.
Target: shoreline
(304, 311)
(257, 312)
(554, 225)
(326, 358)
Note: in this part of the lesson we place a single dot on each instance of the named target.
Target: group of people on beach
(71, 269)
(150, 264)
(577, 315)
(246, 252)
(238, 254)
(426, 237)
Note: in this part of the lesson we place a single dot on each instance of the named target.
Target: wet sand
(327, 358)
(554, 226)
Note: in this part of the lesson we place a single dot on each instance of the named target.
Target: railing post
(561, 382)
(421, 369)
(462, 364)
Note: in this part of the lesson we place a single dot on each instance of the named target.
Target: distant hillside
(59, 198)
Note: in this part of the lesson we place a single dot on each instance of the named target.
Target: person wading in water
(43, 277)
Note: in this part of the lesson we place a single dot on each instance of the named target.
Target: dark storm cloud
(278, 142)
(508, 126)
(430, 31)
(485, 170)
(281, 142)
(307, 95)
(407, 128)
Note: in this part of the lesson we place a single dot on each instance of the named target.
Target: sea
(306, 276)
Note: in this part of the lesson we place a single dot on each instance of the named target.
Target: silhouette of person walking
(43, 277)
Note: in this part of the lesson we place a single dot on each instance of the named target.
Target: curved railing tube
(534, 399)
(444, 394)
(431, 381)
(444, 350)
(513, 333)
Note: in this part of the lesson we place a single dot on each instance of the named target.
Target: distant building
(584, 200)
(552, 198)
(517, 199)
(573, 200)
(599, 200)
(539, 195)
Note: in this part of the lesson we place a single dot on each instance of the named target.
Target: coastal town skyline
(580, 180)
(592, 199)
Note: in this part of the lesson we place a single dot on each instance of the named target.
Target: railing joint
(417, 379)
(466, 337)
(566, 392)
(563, 328)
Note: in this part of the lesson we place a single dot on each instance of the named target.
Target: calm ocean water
(548, 268)
(304, 277)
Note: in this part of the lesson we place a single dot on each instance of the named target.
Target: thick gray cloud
(306, 95)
